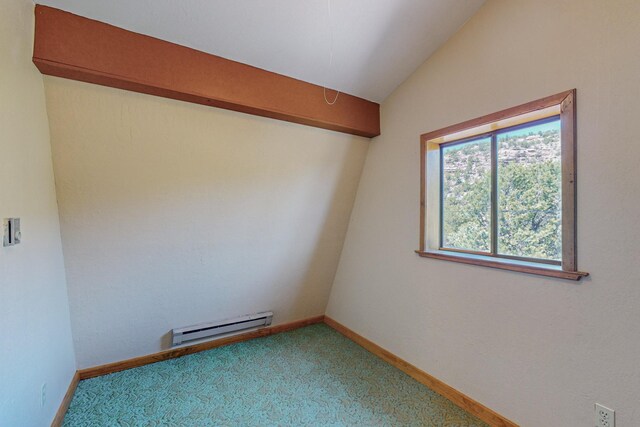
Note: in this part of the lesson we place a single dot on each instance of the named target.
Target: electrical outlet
(43, 394)
(605, 417)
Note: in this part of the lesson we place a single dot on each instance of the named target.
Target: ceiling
(377, 44)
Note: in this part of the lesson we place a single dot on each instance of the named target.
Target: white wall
(174, 214)
(540, 351)
(35, 344)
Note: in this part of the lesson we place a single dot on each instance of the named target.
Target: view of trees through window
(529, 214)
(466, 189)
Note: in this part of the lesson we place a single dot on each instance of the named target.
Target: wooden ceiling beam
(78, 48)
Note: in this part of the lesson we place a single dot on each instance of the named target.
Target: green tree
(467, 197)
(529, 210)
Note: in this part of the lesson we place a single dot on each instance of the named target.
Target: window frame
(494, 228)
(562, 105)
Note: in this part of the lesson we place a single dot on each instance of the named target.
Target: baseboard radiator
(212, 329)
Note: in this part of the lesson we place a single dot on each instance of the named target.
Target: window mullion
(494, 194)
(441, 190)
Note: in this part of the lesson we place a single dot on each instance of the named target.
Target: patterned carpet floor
(312, 376)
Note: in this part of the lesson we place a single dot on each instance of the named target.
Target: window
(499, 190)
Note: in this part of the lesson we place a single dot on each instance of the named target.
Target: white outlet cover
(605, 417)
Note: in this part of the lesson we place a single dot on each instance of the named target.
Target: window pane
(466, 193)
(529, 192)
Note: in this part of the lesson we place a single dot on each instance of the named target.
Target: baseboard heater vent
(212, 329)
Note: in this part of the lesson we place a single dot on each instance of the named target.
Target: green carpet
(310, 376)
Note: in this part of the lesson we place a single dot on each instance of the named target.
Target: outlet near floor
(43, 394)
(605, 417)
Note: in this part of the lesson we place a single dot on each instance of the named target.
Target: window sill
(505, 264)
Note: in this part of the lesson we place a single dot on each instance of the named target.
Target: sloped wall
(174, 214)
(539, 351)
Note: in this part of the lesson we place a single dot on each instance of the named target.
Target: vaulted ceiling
(377, 44)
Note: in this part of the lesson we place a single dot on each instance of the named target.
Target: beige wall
(35, 343)
(540, 351)
(174, 214)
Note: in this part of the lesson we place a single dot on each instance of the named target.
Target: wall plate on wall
(11, 232)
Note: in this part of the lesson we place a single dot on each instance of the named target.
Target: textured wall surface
(35, 344)
(540, 351)
(174, 214)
